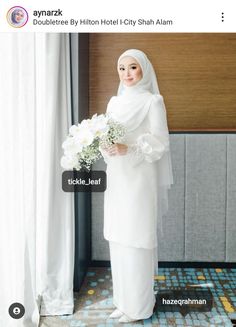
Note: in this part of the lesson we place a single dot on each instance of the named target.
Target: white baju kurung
(130, 210)
(131, 198)
(133, 282)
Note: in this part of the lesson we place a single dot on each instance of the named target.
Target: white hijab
(131, 104)
(148, 81)
(130, 107)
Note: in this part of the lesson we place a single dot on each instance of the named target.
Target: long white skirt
(133, 280)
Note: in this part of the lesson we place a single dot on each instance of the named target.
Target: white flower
(72, 146)
(69, 162)
(74, 129)
(85, 124)
(99, 125)
(85, 137)
(81, 147)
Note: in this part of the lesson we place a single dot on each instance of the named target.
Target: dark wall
(80, 110)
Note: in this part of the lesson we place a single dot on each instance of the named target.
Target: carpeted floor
(93, 304)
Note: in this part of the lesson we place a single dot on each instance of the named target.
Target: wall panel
(205, 197)
(196, 74)
(231, 199)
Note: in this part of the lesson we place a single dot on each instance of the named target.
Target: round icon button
(16, 310)
(17, 16)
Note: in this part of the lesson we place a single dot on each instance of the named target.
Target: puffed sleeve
(152, 145)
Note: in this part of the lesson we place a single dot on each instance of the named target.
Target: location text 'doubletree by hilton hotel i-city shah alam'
(43, 17)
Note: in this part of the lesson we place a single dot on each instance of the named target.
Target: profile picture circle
(17, 16)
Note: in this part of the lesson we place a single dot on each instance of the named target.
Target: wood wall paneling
(196, 74)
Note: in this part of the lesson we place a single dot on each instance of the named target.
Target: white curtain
(36, 216)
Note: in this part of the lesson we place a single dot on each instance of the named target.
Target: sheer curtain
(36, 216)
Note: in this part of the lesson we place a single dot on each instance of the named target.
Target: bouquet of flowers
(81, 147)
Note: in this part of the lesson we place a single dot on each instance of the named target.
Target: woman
(138, 176)
(17, 16)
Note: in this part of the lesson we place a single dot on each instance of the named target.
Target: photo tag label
(76, 181)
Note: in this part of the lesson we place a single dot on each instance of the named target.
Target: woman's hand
(117, 149)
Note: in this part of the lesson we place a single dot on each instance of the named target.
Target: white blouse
(151, 145)
(130, 208)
